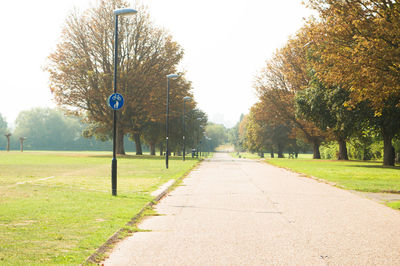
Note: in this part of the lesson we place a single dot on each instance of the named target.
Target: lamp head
(172, 76)
(187, 98)
(124, 12)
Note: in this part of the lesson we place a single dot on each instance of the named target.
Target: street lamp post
(201, 142)
(198, 137)
(208, 144)
(170, 76)
(184, 127)
(117, 12)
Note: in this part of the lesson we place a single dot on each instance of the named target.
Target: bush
(355, 150)
(329, 150)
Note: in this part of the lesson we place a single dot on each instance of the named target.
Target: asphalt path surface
(244, 212)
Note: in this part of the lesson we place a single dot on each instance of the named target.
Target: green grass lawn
(57, 208)
(354, 175)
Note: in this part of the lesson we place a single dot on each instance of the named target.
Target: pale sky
(226, 43)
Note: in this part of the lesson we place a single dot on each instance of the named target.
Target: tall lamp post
(201, 142)
(117, 12)
(170, 76)
(208, 144)
(184, 127)
(198, 136)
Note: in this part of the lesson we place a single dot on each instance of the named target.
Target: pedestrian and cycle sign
(115, 101)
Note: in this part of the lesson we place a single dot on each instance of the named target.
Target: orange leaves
(277, 84)
(360, 48)
(81, 69)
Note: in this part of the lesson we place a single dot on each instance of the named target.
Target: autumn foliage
(336, 79)
(81, 72)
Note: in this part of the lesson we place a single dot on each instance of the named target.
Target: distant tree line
(216, 135)
(336, 81)
(3, 131)
(49, 129)
(52, 129)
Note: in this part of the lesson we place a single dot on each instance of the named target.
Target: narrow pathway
(242, 212)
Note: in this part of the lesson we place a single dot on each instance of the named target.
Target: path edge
(98, 256)
(362, 194)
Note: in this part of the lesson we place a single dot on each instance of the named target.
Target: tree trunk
(120, 149)
(138, 145)
(8, 141)
(272, 153)
(388, 150)
(366, 153)
(152, 149)
(316, 153)
(261, 153)
(280, 151)
(161, 150)
(342, 150)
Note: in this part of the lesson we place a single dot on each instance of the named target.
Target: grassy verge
(394, 205)
(57, 208)
(354, 175)
(207, 155)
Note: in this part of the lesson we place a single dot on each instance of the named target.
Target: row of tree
(51, 129)
(338, 78)
(81, 76)
(48, 129)
(3, 131)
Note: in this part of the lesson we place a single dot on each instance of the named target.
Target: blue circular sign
(115, 101)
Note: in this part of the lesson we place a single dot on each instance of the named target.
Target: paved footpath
(244, 212)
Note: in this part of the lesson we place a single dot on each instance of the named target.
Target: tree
(285, 74)
(242, 132)
(50, 129)
(357, 46)
(258, 135)
(154, 134)
(233, 134)
(362, 141)
(81, 68)
(179, 88)
(325, 107)
(267, 132)
(218, 135)
(196, 126)
(3, 131)
(388, 126)
(44, 129)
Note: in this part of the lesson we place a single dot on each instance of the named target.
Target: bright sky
(225, 41)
